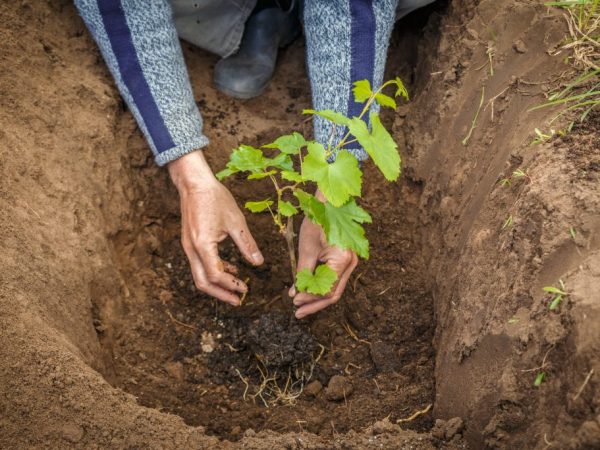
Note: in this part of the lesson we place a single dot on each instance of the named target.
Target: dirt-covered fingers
(308, 304)
(215, 268)
(204, 282)
(240, 233)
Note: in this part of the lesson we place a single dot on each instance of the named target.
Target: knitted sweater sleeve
(346, 41)
(139, 43)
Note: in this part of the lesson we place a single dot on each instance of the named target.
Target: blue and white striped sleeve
(346, 41)
(139, 43)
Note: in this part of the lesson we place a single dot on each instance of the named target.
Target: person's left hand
(312, 250)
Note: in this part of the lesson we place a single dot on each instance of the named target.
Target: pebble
(338, 388)
(385, 426)
(313, 388)
(520, 46)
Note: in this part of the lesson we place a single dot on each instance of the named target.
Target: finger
(318, 303)
(304, 297)
(313, 307)
(339, 287)
(215, 269)
(202, 283)
(230, 268)
(240, 233)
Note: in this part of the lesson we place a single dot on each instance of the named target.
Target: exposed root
(353, 334)
(415, 414)
(583, 385)
(180, 323)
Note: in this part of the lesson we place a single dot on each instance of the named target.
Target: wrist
(190, 172)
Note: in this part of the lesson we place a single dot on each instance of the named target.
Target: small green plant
(559, 294)
(582, 94)
(539, 378)
(299, 164)
(508, 222)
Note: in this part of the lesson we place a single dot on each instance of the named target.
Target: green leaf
(260, 206)
(286, 209)
(261, 175)
(281, 161)
(246, 158)
(311, 206)
(538, 379)
(401, 89)
(554, 290)
(289, 144)
(342, 227)
(332, 116)
(291, 175)
(224, 174)
(319, 283)
(362, 91)
(339, 180)
(555, 302)
(385, 100)
(378, 144)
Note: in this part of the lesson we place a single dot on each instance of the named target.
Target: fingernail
(257, 257)
(299, 316)
(292, 292)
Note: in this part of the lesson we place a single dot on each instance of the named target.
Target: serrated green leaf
(378, 144)
(286, 209)
(362, 91)
(554, 290)
(281, 161)
(342, 227)
(224, 173)
(401, 89)
(261, 175)
(289, 144)
(291, 175)
(246, 158)
(311, 206)
(538, 379)
(385, 100)
(319, 283)
(339, 180)
(332, 116)
(259, 206)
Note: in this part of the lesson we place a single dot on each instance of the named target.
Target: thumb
(240, 233)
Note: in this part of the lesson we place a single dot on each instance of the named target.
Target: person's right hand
(209, 214)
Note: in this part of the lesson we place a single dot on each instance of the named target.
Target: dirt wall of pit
(494, 328)
(65, 193)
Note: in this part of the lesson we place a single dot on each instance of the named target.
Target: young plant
(558, 294)
(299, 165)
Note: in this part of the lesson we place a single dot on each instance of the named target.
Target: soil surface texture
(106, 343)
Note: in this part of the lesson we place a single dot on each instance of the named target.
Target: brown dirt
(104, 340)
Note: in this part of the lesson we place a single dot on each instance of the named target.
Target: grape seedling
(299, 164)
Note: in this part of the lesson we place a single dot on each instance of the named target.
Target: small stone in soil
(520, 46)
(385, 426)
(339, 388)
(313, 388)
(453, 427)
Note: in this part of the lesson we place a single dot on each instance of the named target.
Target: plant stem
(289, 239)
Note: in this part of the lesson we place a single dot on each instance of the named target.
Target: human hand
(209, 214)
(312, 249)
